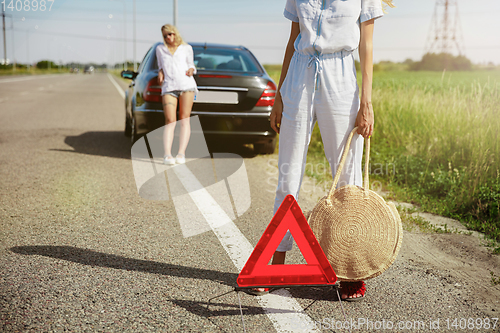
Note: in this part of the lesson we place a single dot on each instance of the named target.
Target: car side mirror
(128, 74)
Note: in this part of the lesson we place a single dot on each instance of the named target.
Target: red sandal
(256, 292)
(351, 289)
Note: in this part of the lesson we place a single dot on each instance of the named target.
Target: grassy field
(32, 71)
(440, 132)
(436, 143)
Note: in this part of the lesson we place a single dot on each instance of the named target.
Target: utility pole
(175, 13)
(28, 49)
(48, 52)
(446, 36)
(13, 45)
(125, 36)
(135, 49)
(125, 66)
(4, 38)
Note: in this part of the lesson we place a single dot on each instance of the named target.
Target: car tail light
(152, 93)
(268, 96)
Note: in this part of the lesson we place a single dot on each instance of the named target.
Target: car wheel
(133, 133)
(265, 148)
(128, 128)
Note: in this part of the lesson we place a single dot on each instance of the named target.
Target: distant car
(88, 69)
(234, 102)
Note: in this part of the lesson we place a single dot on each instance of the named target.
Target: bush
(442, 61)
(44, 64)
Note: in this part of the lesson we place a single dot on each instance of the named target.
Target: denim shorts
(177, 93)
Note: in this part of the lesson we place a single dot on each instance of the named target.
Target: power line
(446, 35)
(92, 37)
(106, 20)
(266, 47)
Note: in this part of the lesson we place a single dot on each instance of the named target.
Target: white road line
(283, 310)
(117, 86)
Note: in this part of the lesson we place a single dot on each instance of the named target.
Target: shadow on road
(231, 147)
(99, 259)
(116, 145)
(208, 309)
(109, 144)
(216, 309)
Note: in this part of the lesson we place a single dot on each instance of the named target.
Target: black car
(234, 102)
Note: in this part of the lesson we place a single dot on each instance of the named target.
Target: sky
(93, 30)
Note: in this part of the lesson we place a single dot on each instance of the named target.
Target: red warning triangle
(257, 272)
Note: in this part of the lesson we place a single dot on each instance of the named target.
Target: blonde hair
(387, 3)
(171, 28)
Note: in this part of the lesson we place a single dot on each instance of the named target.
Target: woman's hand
(276, 114)
(190, 72)
(160, 77)
(277, 111)
(365, 120)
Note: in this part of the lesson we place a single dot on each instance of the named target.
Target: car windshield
(220, 59)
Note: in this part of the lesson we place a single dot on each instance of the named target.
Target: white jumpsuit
(321, 86)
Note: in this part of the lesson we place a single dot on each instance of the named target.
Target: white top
(329, 26)
(175, 67)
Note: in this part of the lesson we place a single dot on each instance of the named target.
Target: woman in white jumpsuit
(318, 83)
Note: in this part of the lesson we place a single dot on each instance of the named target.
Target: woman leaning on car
(175, 75)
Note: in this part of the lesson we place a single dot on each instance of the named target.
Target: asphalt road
(82, 251)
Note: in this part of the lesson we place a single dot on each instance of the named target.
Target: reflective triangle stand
(238, 289)
(257, 273)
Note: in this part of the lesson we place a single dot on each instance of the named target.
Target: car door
(134, 86)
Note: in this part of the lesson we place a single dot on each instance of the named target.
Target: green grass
(440, 132)
(436, 143)
(274, 72)
(495, 280)
(117, 74)
(32, 71)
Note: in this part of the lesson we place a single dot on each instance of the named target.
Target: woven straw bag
(359, 232)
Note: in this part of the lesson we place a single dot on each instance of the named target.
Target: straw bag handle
(366, 181)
